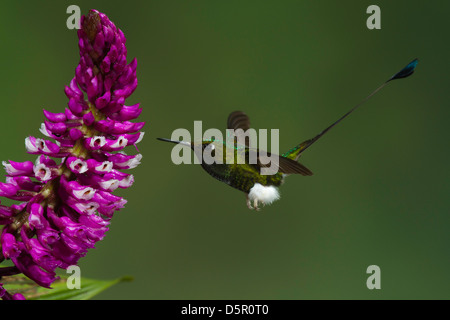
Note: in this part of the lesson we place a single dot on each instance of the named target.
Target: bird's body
(244, 173)
(242, 176)
(245, 177)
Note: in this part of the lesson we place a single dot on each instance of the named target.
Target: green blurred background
(380, 193)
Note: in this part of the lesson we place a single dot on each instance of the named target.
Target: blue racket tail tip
(406, 71)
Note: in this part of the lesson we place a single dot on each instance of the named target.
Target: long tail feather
(295, 152)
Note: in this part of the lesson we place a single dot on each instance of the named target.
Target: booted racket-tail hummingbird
(244, 174)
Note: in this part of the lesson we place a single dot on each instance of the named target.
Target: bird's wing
(239, 120)
(285, 165)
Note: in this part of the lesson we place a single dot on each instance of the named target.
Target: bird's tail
(295, 152)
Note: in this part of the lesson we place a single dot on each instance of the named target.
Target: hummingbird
(245, 175)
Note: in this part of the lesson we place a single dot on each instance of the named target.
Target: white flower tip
(110, 185)
(97, 141)
(44, 130)
(84, 194)
(133, 163)
(120, 142)
(42, 172)
(29, 145)
(8, 167)
(41, 145)
(88, 208)
(141, 136)
(79, 166)
(127, 181)
(106, 166)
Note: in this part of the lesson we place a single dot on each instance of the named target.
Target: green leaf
(59, 291)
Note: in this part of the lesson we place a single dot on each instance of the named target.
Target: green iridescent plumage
(241, 173)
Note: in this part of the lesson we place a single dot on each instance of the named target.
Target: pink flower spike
(66, 205)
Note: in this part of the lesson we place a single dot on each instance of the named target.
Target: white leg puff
(263, 194)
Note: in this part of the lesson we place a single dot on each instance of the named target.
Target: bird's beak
(184, 143)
